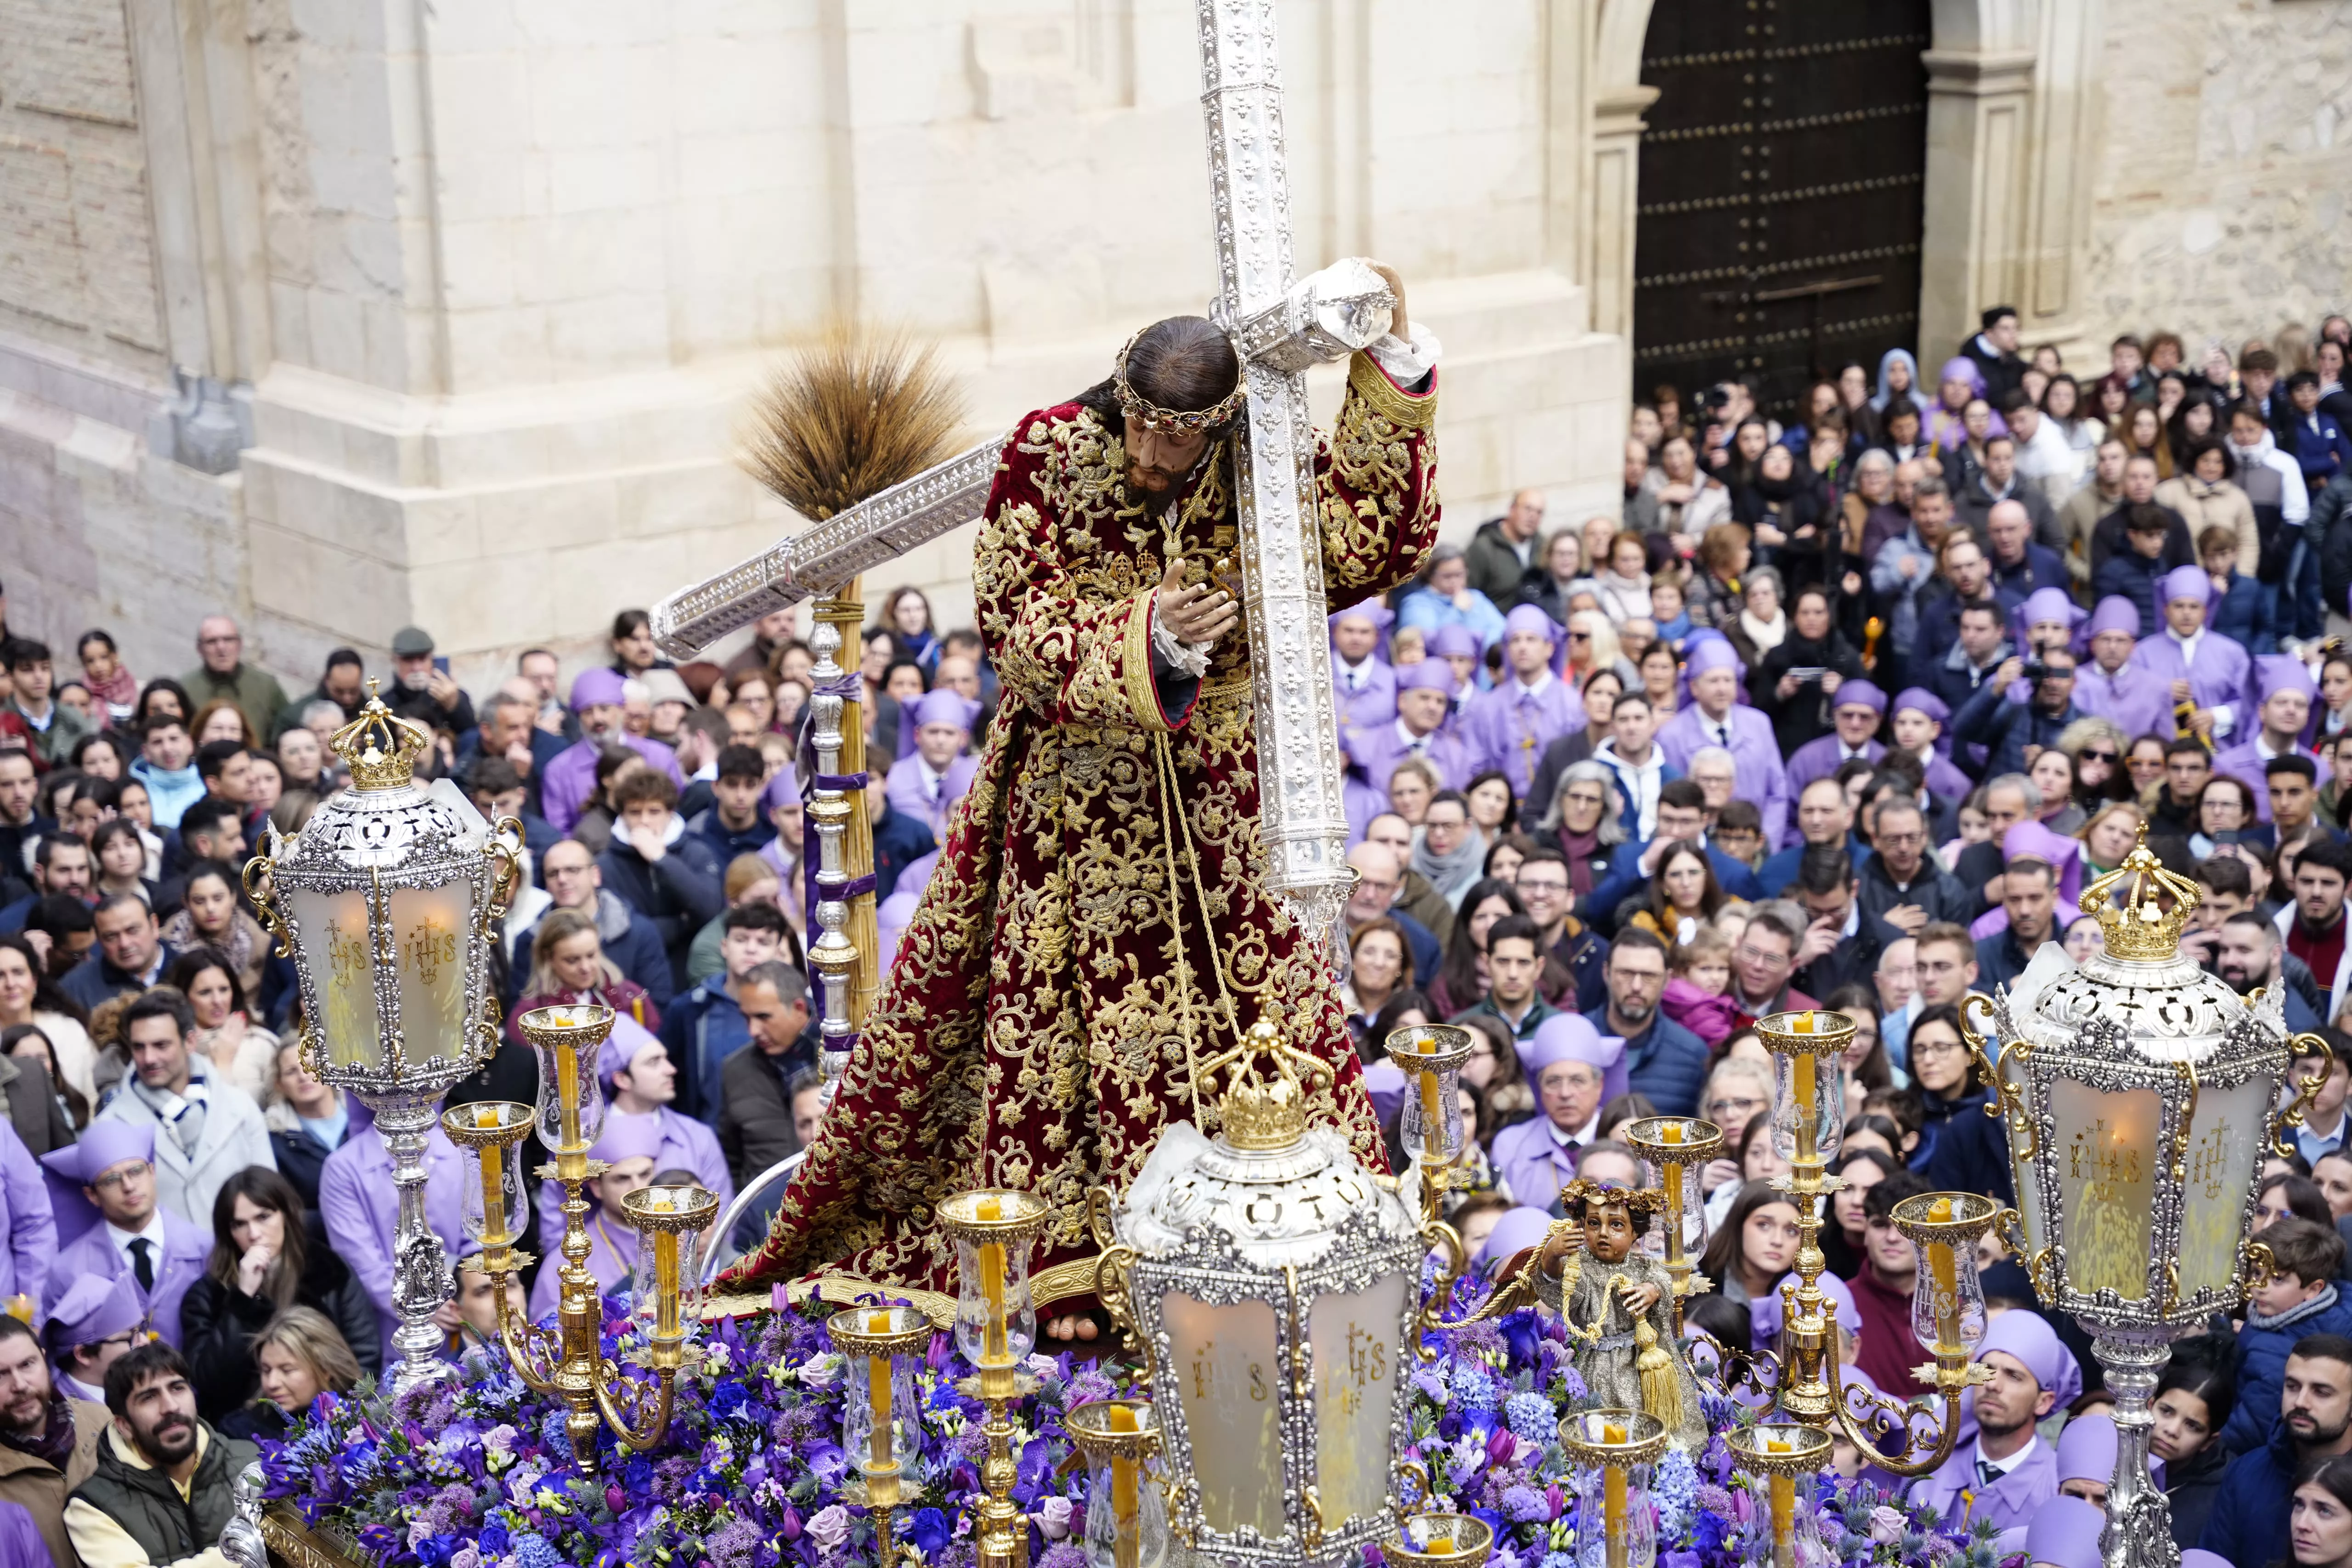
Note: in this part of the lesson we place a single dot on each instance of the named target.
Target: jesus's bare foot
(1078, 1327)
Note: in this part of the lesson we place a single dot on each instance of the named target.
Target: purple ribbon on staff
(852, 785)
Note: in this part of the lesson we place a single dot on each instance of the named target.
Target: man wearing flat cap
(422, 690)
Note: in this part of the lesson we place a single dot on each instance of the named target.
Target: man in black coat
(1994, 350)
(1900, 887)
(663, 873)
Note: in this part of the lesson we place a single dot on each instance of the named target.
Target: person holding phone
(423, 689)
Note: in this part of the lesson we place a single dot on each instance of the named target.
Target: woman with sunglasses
(2097, 747)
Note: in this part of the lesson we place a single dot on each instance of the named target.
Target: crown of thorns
(1137, 406)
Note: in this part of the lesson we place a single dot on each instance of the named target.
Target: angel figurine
(1618, 1303)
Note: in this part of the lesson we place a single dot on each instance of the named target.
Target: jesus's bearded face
(1158, 460)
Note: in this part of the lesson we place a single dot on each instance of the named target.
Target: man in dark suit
(509, 728)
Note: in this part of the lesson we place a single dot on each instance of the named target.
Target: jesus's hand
(1400, 322)
(1201, 614)
(1640, 1299)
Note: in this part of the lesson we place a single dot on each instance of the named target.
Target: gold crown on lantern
(2138, 925)
(1261, 1109)
(379, 747)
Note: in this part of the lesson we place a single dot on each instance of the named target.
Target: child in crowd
(2242, 606)
(1740, 832)
(2299, 1300)
(1698, 975)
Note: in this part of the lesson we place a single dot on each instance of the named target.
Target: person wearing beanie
(598, 698)
(2007, 1474)
(110, 1226)
(1575, 1072)
(2208, 672)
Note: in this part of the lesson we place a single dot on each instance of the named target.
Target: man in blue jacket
(1663, 1059)
(703, 1026)
(2250, 1518)
(2006, 717)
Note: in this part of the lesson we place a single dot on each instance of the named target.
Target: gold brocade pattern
(1032, 1033)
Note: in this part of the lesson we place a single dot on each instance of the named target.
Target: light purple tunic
(571, 776)
(1822, 757)
(2133, 698)
(1372, 703)
(1757, 773)
(1531, 1162)
(1509, 727)
(686, 1144)
(362, 1210)
(2223, 674)
(186, 1250)
(911, 792)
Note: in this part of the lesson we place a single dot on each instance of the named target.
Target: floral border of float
(481, 1474)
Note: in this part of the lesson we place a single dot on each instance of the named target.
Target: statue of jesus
(1097, 926)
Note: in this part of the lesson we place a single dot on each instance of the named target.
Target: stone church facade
(338, 316)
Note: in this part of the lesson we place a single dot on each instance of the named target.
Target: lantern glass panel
(886, 1383)
(1227, 1376)
(666, 1297)
(338, 949)
(430, 927)
(495, 1174)
(567, 1076)
(2027, 1176)
(1949, 1288)
(992, 1281)
(1592, 1514)
(1122, 1496)
(1433, 1140)
(2225, 1142)
(1825, 1078)
(2106, 1164)
(1355, 1341)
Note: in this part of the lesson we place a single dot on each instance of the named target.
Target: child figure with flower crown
(1618, 1303)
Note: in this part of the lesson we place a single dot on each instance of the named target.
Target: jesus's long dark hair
(1183, 362)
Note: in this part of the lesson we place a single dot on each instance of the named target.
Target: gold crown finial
(1263, 1109)
(379, 747)
(2140, 926)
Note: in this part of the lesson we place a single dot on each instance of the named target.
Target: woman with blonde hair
(568, 965)
(301, 1356)
(1593, 646)
(2097, 746)
(2109, 835)
(1413, 786)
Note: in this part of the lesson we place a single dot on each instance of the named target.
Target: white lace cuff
(1407, 358)
(1170, 653)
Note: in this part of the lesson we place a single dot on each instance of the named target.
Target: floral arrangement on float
(751, 1471)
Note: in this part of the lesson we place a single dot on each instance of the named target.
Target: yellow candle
(567, 1090)
(1126, 1496)
(1944, 1269)
(666, 1281)
(993, 1347)
(1612, 1502)
(1807, 1112)
(1432, 1121)
(1784, 1509)
(877, 1390)
(1672, 1132)
(494, 1194)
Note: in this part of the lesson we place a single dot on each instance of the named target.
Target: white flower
(714, 1358)
(1053, 1517)
(824, 1370)
(1045, 1367)
(829, 1527)
(1886, 1525)
(499, 1439)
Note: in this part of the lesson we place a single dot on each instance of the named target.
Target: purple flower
(1525, 1505)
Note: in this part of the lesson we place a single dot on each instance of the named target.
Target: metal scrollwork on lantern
(2138, 1094)
(1273, 1281)
(388, 901)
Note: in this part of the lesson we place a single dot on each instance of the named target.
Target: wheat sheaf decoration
(858, 411)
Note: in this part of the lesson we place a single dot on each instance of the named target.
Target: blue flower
(1531, 1416)
(554, 1439)
(1525, 1505)
(727, 1398)
(531, 1550)
(493, 1540)
(1474, 1387)
(928, 1530)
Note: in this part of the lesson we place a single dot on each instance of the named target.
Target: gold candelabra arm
(663, 1395)
(1952, 1376)
(2261, 1267)
(532, 1351)
(1438, 1234)
(1413, 1469)
(2307, 1089)
(2002, 1101)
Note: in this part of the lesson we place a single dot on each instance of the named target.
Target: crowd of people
(199, 1233)
(1840, 713)
(1843, 713)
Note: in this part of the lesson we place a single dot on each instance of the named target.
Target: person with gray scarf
(207, 1129)
(1447, 848)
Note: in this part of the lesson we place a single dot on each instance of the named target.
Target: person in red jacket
(1882, 1290)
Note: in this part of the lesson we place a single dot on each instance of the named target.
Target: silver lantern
(2138, 1095)
(388, 901)
(1273, 1284)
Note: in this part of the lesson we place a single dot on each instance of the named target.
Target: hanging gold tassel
(1662, 1391)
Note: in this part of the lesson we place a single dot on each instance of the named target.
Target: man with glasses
(2013, 720)
(2111, 686)
(1764, 959)
(1859, 706)
(221, 673)
(1422, 699)
(48, 1437)
(1901, 888)
(1663, 1059)
(90, 1328)
(1546, 885)
(1380, 875)
(574, 882)
(110, 1226)
(1681, 814)
(1574, 1072)
(1830, 954)
(1823, 818)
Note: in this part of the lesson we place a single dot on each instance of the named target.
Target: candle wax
(877, 1394)
(666, 1281)
(1433, 1123)
(1126, 1496)
(1784, 1506)
(494, 1196)
(567, 1093)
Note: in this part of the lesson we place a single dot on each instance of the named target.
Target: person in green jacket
(224, 674)
(165, 1484)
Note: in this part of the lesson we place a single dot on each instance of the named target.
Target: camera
(2037, 671)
